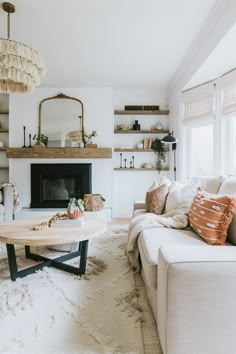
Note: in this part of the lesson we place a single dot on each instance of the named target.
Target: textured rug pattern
(104, 311)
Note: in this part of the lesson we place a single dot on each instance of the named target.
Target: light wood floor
(120, 221)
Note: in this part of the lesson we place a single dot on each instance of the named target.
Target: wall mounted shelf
(59, 152)
(140, 169)
(4, 131)
(141, 131)
(148, 113)
(4, 111)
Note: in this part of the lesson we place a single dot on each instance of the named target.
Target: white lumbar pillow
(180, 196)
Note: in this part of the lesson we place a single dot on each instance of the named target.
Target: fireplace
(53, 184)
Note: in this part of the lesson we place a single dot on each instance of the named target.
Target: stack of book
(147, 143)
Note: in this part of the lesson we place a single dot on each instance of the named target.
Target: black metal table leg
(83, 256)
(48, 262)
(12, 261)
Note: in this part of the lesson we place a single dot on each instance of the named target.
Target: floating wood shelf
(133, 150)
(148, 113)
(167, 149)
(59, 152)
(4, 168)
(140, 169)
(3, 149)
(4, 131)
(141, 131)
(4, 111)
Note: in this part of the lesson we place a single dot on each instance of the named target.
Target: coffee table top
(20, 232)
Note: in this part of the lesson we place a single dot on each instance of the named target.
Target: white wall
(132, 185)
(98, 115)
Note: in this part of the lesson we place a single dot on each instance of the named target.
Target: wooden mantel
(59, 152)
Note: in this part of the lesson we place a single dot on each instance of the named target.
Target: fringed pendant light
(21, 67)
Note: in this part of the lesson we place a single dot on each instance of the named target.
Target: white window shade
(228, 87)
(199, 104)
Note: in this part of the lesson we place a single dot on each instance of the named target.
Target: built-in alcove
(53, 184)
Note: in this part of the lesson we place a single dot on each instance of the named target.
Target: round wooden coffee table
(20, 232)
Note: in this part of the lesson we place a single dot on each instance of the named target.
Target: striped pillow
(211, 215)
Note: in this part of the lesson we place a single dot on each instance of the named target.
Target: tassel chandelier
(21, 67)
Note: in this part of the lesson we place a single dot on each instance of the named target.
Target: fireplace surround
(53, 184)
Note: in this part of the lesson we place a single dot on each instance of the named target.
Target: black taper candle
(125, 162)
(30, 146)
(133, 160)
(121, 160)
(24, 146)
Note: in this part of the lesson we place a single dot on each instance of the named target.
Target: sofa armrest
(196, 299)
(8, 202)
(139, 205)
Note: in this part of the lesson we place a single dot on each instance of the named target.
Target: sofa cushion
(156, 199)
(229, 187)
(211, 215)
(210, 184)
(150, 240)
(180, 195)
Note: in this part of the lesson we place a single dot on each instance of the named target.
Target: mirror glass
(61, 120)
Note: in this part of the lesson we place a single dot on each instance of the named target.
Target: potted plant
(159, 149)
(75, 208)
(41, 139)
(87, 138)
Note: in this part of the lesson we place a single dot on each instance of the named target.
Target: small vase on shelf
(136, 125)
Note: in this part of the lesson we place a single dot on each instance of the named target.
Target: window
(201, 150)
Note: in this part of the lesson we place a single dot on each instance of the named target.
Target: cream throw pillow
(180, 196)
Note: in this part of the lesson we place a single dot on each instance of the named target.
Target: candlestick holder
(24, 146)
(125, 162)
(30, 146)
(121, 160)
(130, 164)
(133, 161)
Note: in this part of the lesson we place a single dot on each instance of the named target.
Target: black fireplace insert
(52, 185)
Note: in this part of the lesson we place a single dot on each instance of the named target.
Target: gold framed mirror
(61, 119)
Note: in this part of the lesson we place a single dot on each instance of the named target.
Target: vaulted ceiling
(117, 43)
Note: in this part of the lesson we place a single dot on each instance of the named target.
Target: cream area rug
(51, 311)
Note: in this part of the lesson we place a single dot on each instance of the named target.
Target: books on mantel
(142, 108)
(147, 143)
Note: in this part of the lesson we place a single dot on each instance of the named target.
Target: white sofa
(191, 286)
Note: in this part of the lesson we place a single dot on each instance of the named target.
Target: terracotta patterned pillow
(156, 199)
(210, 216)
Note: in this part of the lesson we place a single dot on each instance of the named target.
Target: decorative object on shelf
(148, 165)
(92, 146)
(171, 140)
(136, 125)
(142, 108)
(140, 146)
(24, 146)
(87, 138)
(133, 160)
(121, 160)
(30, 146)
(130, 164)
(123, 127)
(159, 150)
(1, 144)
(75, 208)
(93, 202)
(41, 140)
(159, 126)
(76, 138)
(21, 67)
(125, 162)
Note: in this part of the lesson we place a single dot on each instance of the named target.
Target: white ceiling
(117, 43)
(219, 62)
